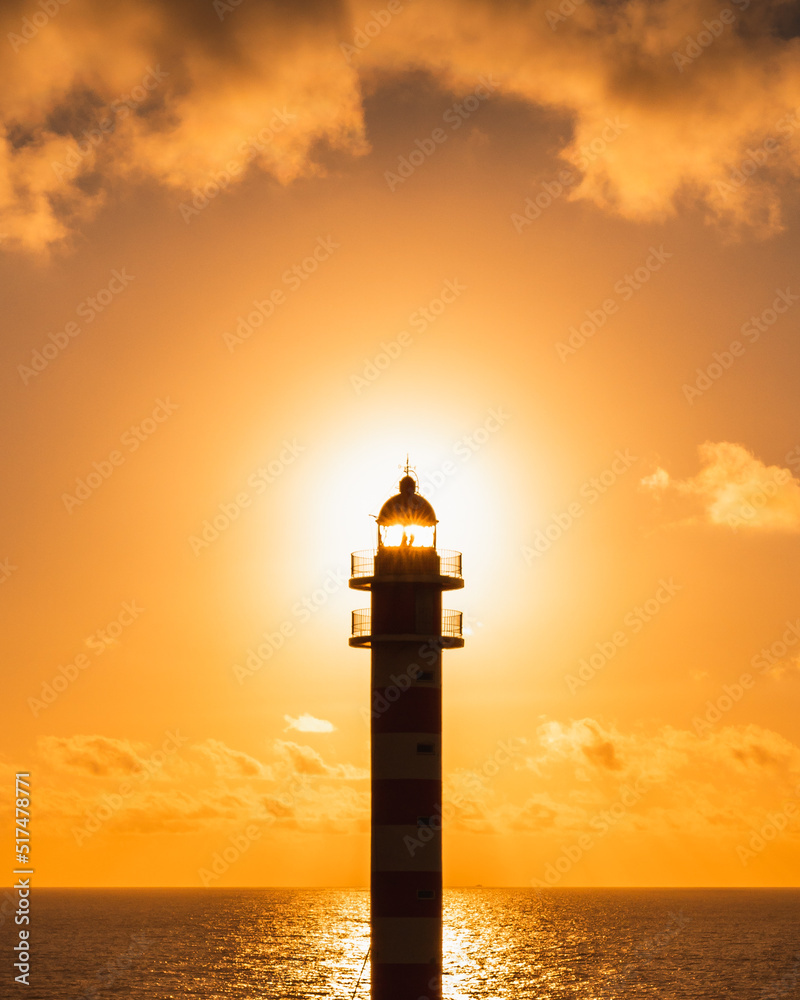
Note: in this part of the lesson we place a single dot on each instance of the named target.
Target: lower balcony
(450, 635)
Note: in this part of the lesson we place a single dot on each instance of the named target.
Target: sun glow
(414, 535)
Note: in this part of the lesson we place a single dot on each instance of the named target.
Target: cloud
(165, 91)
(603, 753)
(231, 763)
(302, 759)
(177, 810)
(194, 99)
(308, 724)
(552, 785)
(96, 756)
(667, 779)
(306, 761)
(779, 669)
(733, 488)
(690, 133)
(94, 785)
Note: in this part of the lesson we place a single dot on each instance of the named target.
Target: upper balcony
(410, 564)
(449, 635)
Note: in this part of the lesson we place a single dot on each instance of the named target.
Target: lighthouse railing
(452, 624)
(449, 563)
(451, 627)
(362, 622)
(362, 564)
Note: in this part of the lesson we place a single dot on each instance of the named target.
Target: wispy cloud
(699, 784)
(230, 763)
(733, 488)
(96, 756)
(707, 781)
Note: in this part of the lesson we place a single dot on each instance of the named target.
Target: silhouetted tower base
(406, 631)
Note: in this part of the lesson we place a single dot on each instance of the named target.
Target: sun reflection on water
(499, 944)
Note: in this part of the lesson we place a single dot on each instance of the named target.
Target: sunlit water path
(500, 944)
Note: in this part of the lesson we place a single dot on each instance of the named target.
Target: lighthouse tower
(406, 630)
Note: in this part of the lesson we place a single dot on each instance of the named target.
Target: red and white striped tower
(406, 630)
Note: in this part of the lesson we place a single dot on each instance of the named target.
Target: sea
(499, 944)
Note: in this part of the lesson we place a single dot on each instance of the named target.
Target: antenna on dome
(409, 473)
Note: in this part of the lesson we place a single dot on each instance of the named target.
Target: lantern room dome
(407, 507)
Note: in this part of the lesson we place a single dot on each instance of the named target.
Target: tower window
(426, 894)
(426, 675)
(431, 821)
(428, 748)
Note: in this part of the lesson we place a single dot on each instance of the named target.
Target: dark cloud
(96, 756)
(603, 754)
(187, 90)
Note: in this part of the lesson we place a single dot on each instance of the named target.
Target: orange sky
(251, 257)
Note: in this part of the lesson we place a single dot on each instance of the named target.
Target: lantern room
(407, 520)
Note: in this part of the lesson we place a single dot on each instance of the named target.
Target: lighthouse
(406, 631)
